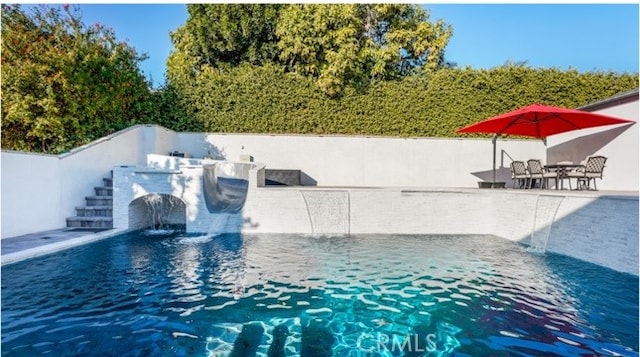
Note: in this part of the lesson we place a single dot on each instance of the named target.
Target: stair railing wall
(39, 191)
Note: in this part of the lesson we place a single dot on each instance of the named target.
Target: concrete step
(99, 201)
(90, 222)
(94, 211)
(103, 191)
(108, 181)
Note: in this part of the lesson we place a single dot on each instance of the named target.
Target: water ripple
(365, 295)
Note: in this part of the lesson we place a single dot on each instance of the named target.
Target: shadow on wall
(306, 180)
(503, 171)
(503, 174)
(201, 146)
(278, 177)
(212, 151)
(582, 147)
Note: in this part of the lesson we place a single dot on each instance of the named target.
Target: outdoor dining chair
(519, 174)
(591, 170)
(537, 171)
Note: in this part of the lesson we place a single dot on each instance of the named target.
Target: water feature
(328, 211)
(315, 296)
(544, 216)
(162, 214)
(225, 186)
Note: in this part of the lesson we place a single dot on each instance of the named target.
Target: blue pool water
(288, 295)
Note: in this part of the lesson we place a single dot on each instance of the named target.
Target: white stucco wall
(155, 139)
(40, 191)
(370, 161)
(30, 193)
(619, 143)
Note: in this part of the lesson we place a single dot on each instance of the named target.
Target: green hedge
(268, 100)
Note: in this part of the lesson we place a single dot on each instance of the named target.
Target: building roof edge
(620, 98)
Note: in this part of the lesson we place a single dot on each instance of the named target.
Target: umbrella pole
(493, 140)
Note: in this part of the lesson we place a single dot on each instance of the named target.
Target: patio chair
(519, 174)
(537, 171)
(591, 170)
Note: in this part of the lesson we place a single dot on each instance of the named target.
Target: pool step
(98, 212)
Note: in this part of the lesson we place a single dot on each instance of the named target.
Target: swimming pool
(285, 295)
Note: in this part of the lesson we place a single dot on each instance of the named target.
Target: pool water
(290, 295)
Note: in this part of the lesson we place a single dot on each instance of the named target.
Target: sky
(584, 37)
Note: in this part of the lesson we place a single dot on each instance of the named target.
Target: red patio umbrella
(538, 121)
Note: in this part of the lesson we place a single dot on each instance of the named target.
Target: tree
(64, 83)
(323, 41)
(337, 45)
(220, 35)
(358, 43)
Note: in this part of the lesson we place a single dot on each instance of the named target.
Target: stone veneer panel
(602, 230)
(183, 182)
(598, 229)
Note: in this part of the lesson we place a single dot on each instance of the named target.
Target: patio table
(562, 170)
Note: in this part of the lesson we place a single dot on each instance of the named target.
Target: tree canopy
(337, 45)
(65, 83)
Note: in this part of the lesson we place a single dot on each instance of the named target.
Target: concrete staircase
(98, 213)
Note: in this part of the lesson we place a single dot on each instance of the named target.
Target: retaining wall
(40, 191)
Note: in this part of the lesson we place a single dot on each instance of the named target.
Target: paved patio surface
(35, 244)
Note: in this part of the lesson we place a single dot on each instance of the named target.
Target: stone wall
(182, 180)
(595, 228)
(586, 225)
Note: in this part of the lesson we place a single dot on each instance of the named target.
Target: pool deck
(28, 246)
(32, 245)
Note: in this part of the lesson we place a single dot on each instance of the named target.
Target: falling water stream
(545, 215)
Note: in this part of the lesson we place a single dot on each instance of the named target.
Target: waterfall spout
(328, 211)
(163, 214)
(544, 216)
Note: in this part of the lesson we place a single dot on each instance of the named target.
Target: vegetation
(63, 83)
(355, 69)
(336, 45)
(349, 69)
(268, 99)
